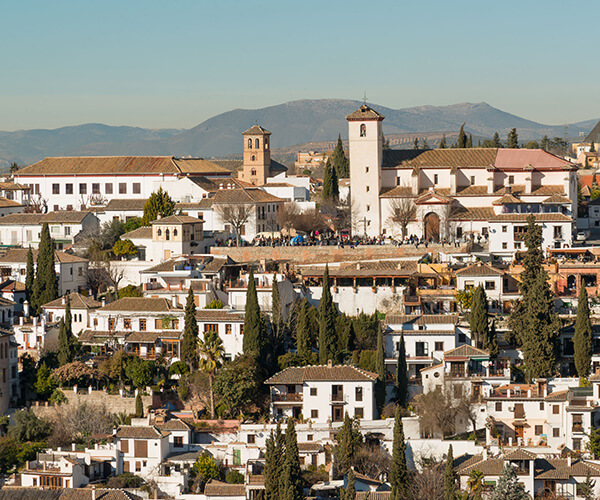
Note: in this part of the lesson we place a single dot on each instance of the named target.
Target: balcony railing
(577, 427)
(337, 398)
(287, 397)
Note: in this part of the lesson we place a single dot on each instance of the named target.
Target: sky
(175, 63)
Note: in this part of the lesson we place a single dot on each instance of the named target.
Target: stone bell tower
(257, 156)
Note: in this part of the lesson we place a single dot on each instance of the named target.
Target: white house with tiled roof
(8, 207)
(229, 324)
(451, 193)
(499, 285)
(70, 269)
(142, 449)
(81, 308)
(323, 393)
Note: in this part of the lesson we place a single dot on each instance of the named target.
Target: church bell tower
(257, 156)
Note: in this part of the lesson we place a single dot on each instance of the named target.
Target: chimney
(329, 363)
(26, 308)
(64, 300)
(35, 321)
(93, 493)
(103, 301)
(508, 393)
(569, 460)
(174, 301)
(21, 320)
(73, 447)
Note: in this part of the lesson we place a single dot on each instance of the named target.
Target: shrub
(234, 477)
(215, 304)
(58, 397)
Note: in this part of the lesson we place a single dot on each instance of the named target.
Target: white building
(25, 229)
(452, 192)
(81, 309)
(229, 324)
(8, 207)
(70, 269)
(323, 393)
(142, 450)
(54, 472)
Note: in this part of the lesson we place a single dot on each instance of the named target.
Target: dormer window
(249, 143)
(363, 130)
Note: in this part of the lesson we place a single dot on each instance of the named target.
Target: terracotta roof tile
(298, 375)
(131, 204)
(256, 130)
(246, 196)
(365, 113)
(479, 270)
(6, 203)
(140, 432)
(423, 319)
(144, 233)
(216, 488)
(13, 255)
(474, 157)
(235, 316)
(465, 351)
(140, 304)
(546, 217)
(177, 219)
(77, 300)
(471, 213)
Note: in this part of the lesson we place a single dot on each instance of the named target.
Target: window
(108, 188)
(462, 338)
(359, 412)
(55, 188)
(122, 188)
(313, 391)
(504, 245)
(137, 188)
(228, 329)
(68, 233)
(363, 130)
(498, 406)
(138, 466)
(368, 207)
(158, 324)
(511, 179)
(211, 327)
(577, 444)
(539, 430)
(82, 188)
(368, 189)
(178, 441)
(366, 170)
(111, 323)
(142, 324)
(555, 410)
(310, 437)
(556, 432)
(314, 413)
(251, 438)
(69, 188)
(358, 393)
(167, 235)
(249, 143)
(257, 144)
(237, 457)
(435, 178)
(490, 285)
(541, 405)
(518, 245)
(241, 329)
(96, 188)
(125, 446)
(253, 158)
(558, 232)
(504, 229)
(472, 180)
(439, 346)
(127, 323)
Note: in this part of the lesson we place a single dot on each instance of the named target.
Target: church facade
(453, 194)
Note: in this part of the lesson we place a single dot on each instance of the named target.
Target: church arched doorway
(432, 227)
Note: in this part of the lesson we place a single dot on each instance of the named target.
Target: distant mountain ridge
(292, 123)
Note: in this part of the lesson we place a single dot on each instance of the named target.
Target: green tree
(30, 276)
(274, 460)
(593, 444)
(234, 477)
(45, 384)
(592, 147)
(534, 324)
(399, 479)
(139, 406)
(255, 329)
(545, 144)
(45, 285)
(130, 291)
(508, 486)
(416, 143)
(582, 340)
(331, 188)
(512, 140)
(478, 318)
(450, 477)
(124, 248)
(348, 440)
(443, 143)
(465, 298)
(401, 387)
(493, 340)
(238, 386)
(380, 385)
(462, 137)
(65, 344)
(276, 312)
(29, 427)
(139, 372)
(189, 343)
(211, 358)
(327, 322)
(158, 204)
(215, 304)
(340, 162)
(587, 488)
(292, 475)
(475, 484)
(303, 332)
(470, 141)
(206, 467)
(349, 493)
(425, 143)
(496, 140)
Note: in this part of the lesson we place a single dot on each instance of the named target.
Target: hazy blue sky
(174, 63)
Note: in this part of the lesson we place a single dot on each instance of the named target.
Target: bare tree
(438, 410)
(237, 215)
(341, 214)
(288, 216)
(372, 460)
(428, 484)
(312, 220)
(403, 211)
(37, 205)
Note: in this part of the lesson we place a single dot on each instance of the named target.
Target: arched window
(167, 235)
(363, 130)
(249, 143)
(159, 232)
(253, 171)
(257, 144)
(253, 157)
(174, 232)
(266, 143)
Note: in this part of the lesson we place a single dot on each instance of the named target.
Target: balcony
(286, 397)
(577, 428)
(337, 398)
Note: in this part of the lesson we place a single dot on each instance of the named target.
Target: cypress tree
(327, 314)
(401, 374)
(399, 470)
(470, 141)
(462, 137)
(592, 147)
(274, 456)
(45, 285)
(348, 441)
(496, 140)
(158, 204)
(425, 143)
(443, 143)
(380, 385)
(139, 406)
(255, 331)
(350, 492)
(331, 189)
(292, 475)
(545, 143)
(350, 338)
(303, 336)
(450, 477)
(416, 143)
(30, 277)
(512, 139)
(582, 341)
(493, 340)
(280, 455)
(478, 319)
(189, 343)
(276, 307)
(340, 162)
(534, 324)
(64, 347)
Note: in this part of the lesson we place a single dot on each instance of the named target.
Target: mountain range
(292, 123)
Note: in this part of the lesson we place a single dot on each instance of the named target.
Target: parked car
(582, 235)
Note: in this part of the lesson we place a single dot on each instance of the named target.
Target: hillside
(292, 123)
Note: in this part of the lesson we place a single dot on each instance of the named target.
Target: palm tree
(475, 484)
(211, 356)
